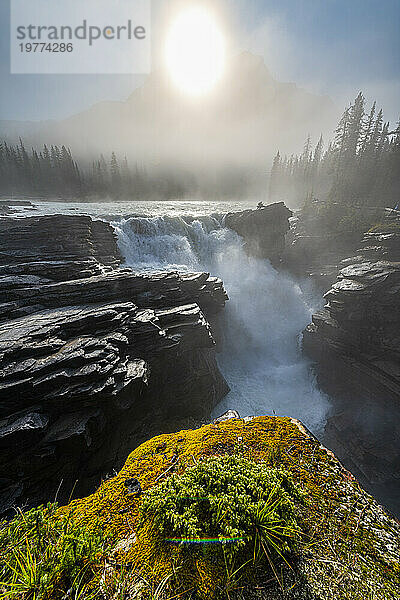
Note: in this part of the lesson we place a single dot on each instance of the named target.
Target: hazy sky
(335, 47)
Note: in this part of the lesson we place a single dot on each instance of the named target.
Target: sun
(195, 51)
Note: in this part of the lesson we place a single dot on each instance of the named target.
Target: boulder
(351, 544)
(263, 230)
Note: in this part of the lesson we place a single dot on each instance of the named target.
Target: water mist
(260, 355)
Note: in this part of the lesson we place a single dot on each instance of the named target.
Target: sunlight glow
(195, 51)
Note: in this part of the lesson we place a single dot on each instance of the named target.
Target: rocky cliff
(320, 240)
(263, 230)
(355, 342)
(92, 356)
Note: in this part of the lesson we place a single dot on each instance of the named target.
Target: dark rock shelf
(263, 230)
(93, 356)
(355, 341)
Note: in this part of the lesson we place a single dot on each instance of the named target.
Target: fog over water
(262, 321)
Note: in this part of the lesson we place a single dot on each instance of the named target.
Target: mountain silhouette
(242, 122)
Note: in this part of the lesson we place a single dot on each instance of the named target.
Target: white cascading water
(267, 310)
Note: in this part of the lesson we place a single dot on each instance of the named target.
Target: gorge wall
(354, 341)
(92, 356)
(95, 356)
(321, 242)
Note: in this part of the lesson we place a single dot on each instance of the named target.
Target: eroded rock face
(362, 319)
(355, 341)
(57, 238)
(314, 250)
(154, 290)
(10, 206)
(93, 357)
(263, 230)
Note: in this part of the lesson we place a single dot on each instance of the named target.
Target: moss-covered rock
(347, 548)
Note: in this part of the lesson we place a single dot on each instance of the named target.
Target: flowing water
(261, 324)
(267, 310)
(264, 317)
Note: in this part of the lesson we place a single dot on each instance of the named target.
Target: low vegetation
(45, 555)
(240, 510)
(229, 509)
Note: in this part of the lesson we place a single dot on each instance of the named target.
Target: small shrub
(42, 555)
(228, 506)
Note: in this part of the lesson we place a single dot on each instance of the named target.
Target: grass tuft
(44, 554)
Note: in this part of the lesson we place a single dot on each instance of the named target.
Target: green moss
(349, 548)
(227, 509)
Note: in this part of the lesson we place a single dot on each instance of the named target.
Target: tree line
(46, 172)
(53, 172)
(360, 167)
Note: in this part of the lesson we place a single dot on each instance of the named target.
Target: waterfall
(267, 310)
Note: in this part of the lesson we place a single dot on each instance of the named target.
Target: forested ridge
(360, 167)
(47, 171)
(53, 171)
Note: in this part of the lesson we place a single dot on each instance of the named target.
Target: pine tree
(275, 177)
(115, 174)
(360, 167)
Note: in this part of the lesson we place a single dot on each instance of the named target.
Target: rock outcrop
(92, 356)
(318, 246)
(348, 546)
(355, 341)
(263, 230)
(8, 207)
(22, 295)
(58, 238)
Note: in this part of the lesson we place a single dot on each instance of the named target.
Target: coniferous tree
(115, 174)
(275, 177)
(360, 166)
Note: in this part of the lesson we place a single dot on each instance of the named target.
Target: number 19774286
(46, 47)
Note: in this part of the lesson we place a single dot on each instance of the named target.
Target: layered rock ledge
(92, 356)
(319, 248)
(355, 341)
